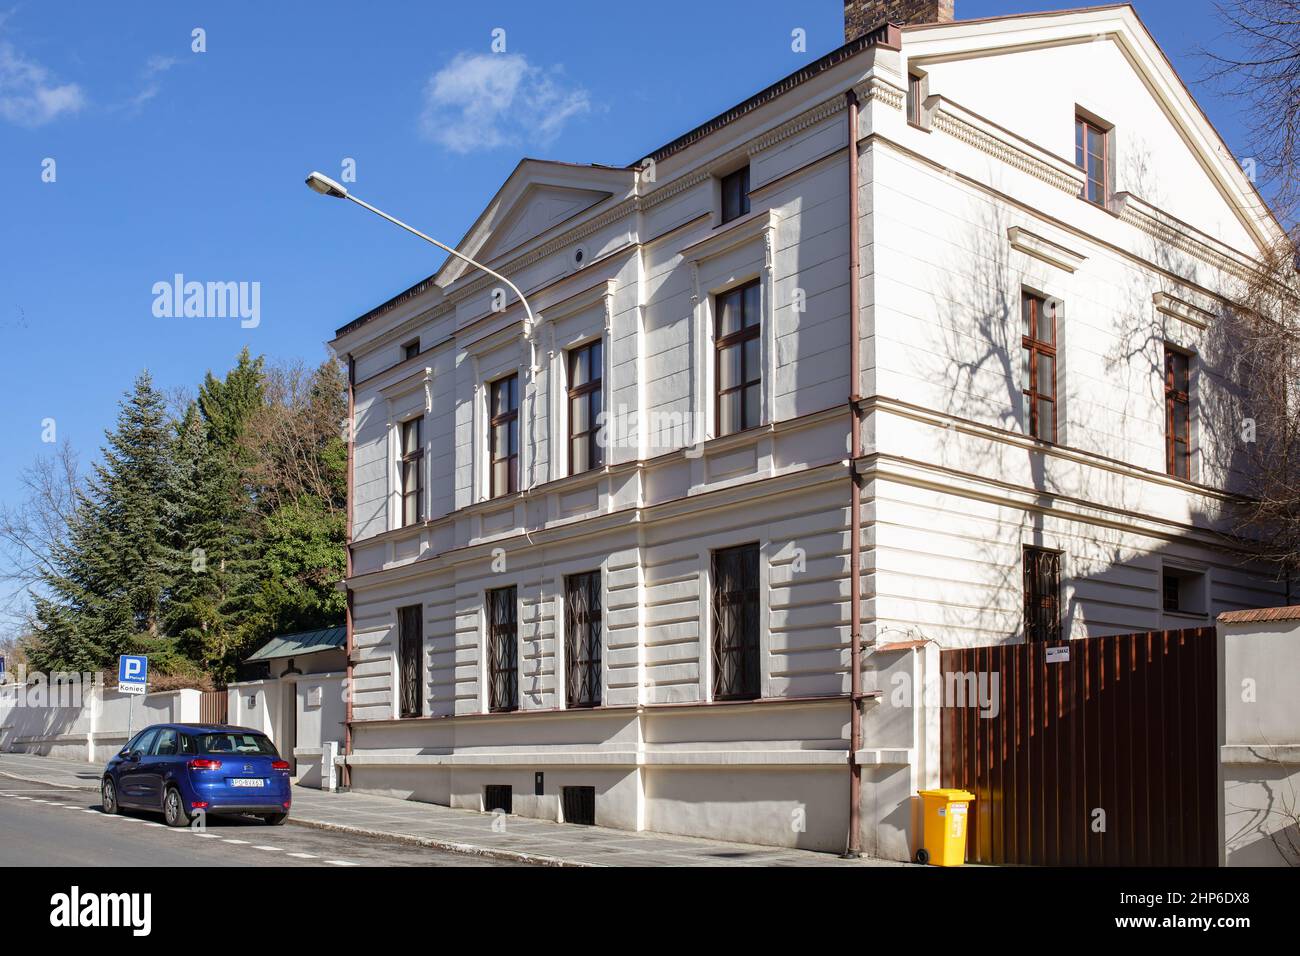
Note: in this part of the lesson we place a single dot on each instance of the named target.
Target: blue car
(182, 769)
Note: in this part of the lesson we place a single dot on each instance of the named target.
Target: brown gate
(214, 707)
(1101, 751)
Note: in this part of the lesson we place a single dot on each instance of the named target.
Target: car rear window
(235, 743)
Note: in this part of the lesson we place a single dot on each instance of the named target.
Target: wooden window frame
(1042, 611)
(741, 178)
(410, 660)
(414, 459)
(583, 639)
(501, 606)
(503, 420)
(737, 627)
(1030, 389)
(593, 386)
(737, 340)
(1082, 156)
(1175, 397)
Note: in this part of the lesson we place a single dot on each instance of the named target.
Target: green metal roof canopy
(296, 645)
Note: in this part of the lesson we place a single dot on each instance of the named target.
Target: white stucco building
(655, 626)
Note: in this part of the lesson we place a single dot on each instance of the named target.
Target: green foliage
(197, 539)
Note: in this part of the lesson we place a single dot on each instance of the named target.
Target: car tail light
(203, 763)
(199, 805)
(280, 765)
(286, 804)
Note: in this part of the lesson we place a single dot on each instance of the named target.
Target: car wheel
(108, 796)
(275, 819)
(923, 856)
(174, 809)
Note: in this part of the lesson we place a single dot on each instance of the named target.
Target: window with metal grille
(410, 660)
(582, 639)
(503, 651)
(739, 364)
(579, 805)
(498, 796)
(1042, 595)
(1178, 413)
(586, 450)
(735, 195)
(504, 437)
(412, 471)
(1091, 149)
(1038, 365)
(735, 623)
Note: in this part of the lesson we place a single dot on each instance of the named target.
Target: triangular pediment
(539, 200)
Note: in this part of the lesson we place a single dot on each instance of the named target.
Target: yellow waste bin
(943, 827)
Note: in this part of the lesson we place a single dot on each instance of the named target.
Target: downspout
(347, 722)
(855, 500)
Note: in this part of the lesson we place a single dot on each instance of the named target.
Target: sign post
(132, 678)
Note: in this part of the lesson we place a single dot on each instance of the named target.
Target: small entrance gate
(1098, 752)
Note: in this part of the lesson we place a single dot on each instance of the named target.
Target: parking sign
(132, 673)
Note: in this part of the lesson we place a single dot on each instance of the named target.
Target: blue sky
(170, 161)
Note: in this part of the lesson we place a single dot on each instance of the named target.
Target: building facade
(607, 559)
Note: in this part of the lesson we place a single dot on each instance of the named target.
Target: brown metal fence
(1106, 757)
(214, 707)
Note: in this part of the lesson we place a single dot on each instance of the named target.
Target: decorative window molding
(1182, 310)
(1022, 240)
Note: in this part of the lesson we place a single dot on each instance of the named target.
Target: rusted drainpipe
(347, 723)
(855, 500)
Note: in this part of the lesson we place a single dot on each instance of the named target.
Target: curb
(449, 846)
(466, 849)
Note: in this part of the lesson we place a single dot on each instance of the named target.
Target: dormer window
(1092, 155)
(735, 195)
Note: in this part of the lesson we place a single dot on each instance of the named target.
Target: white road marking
(90, 811)
(241, 842)
(340, 863)
(268, 849)
(305, 856)
(208, 836)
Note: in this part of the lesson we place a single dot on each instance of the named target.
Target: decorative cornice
(1130, 212)
(797, 125)
(876, 88)
(1182, 309)
(968, 133)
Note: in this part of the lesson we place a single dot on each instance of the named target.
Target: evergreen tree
(104, 595)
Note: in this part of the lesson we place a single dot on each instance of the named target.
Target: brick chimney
(862, 16)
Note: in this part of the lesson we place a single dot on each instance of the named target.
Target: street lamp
(319, 182)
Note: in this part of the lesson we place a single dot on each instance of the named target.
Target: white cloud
(29, 94)
(488, 100)
(151, 85)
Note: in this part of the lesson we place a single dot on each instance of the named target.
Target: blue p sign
(133, 670)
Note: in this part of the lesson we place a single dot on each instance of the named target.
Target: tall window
(1178, 413)
(504, 440)
(503, 653)
(916, 99)
(585, 371)
(1038, 366)
(412, 489)
(1042, 596)
(582, 639)
(735, 195)
(410, 661)
(735, 623)
(1090, 154)
(739, 369)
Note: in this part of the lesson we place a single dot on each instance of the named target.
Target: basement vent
(497, 797)
(580, 805)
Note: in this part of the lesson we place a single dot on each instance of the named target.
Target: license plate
(247, 782)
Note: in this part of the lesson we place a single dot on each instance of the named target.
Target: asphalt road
(42, 825)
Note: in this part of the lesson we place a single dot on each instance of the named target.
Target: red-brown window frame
(414, 459)
(1082, 155)
(1175, 397)
(503, 420)
(595, 381)
(1030, 389)
(736, 339)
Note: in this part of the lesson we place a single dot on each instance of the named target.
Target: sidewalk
(465, 831)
